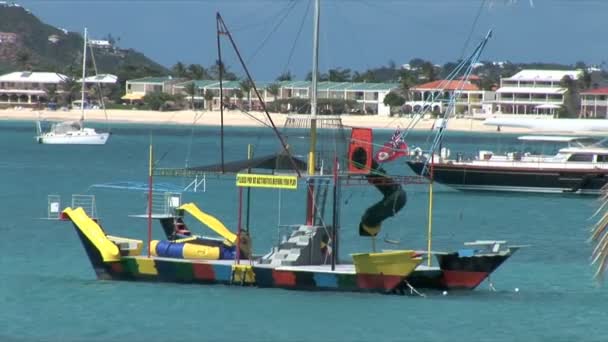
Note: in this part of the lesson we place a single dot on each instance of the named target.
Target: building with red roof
(594, 103)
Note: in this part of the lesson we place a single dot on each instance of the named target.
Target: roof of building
(321, 86)
(531, 90)
(101, 78)
(447, 85)
(33, 77)
(597, 91)
(161, 79)
(543, 75)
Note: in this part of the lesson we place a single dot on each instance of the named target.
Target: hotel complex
(528, 92)
(536, 92)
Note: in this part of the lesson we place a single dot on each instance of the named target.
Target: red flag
(390, 152)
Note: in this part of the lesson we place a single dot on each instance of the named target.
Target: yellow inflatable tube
(172, 249)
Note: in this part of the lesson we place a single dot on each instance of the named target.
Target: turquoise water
(48, 290)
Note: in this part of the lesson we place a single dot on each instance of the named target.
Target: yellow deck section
(243, 273)
(392, 263)
(146, 266)
(93, 232)
(210, 221)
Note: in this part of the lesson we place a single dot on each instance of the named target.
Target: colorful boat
(117, 258)
(305, 260)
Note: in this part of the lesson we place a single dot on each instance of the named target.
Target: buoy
(445, 293)
(517, 289)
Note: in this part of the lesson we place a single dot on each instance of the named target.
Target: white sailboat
(73, 132)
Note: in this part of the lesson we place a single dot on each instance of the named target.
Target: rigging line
(255, 89)
(189, 150)
(466, 43)
(293, 46)
(262, 20)
(274, 29)
(264, 123)
(98, 84)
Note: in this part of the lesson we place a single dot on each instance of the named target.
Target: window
(580, 157)
(602, 158)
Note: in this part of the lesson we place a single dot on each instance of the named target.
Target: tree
(70, 88)
(586, 80)
(571, 98)
(197, 72)
(23, 59)
(246, 87)
(190, 90)
(179, 70)
(393, 100)
(51, 92)
(339, 75)
(214, 72)
(209, 98)
(239, 95)
(286, 76)
(428, 71)
(406, 81)
(273, 89)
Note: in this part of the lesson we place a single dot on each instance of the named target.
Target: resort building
(135, 90)
(594, 103)
(26, 88)
(367, 97)
(533, 92)
(435, 96)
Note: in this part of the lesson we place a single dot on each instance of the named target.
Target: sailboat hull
(539, 180)
(74, 138)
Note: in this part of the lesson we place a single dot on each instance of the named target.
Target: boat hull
(457, 272)
(516, 179)
(75, 138)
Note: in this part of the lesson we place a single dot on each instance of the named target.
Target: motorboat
(580, 167)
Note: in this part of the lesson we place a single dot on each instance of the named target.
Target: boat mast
(310, 205)
(313, 95)
(84, 66)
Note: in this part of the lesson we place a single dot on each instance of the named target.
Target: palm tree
(286, 76)
(197, 72)
(179, 70)
(209, 98)
(428, 71)
(239, 95)
(190, 90)
(51, 93)
(406, 80)
(246, 89)
(273, 89)
(70, 88)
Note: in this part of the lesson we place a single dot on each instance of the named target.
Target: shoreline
(238, 119)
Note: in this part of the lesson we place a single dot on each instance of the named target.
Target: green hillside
(34, 51)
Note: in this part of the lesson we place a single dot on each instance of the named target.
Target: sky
(275, 36)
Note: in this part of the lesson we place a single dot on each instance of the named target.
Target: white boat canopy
(555, 138)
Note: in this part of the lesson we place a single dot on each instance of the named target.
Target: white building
(470, 98)
(103, 44)
(26, 88)
(594, 103)
(533, 92)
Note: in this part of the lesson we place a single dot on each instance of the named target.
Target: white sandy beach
(236, 118)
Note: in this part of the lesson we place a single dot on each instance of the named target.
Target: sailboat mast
(310, 205)
(313, 95)
(84, 66)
